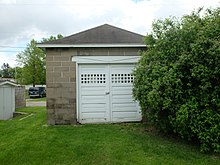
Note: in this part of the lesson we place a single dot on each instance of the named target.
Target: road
(35, 103)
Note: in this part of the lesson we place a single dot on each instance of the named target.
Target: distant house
(89, 76)
(7, 79)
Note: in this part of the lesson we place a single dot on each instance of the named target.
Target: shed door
(105, 94)
(7, 102)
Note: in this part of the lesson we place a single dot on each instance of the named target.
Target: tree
(51, 38)
(7, 71)
(18, 76)
(177, 79)
(32, 61)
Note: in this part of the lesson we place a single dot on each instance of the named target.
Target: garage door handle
(107, 93)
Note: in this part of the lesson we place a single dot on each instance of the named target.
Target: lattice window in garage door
(122, 78)
(93, 78)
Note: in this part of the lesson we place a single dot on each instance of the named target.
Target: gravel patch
(36, 104)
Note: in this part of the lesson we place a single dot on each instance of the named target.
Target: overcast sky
(23, 20)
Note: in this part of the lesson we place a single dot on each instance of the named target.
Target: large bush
(178, 78)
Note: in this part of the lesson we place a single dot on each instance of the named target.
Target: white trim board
(90, 45)
(8, 83)
(105, 59)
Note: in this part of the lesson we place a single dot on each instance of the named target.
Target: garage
(89, 76)
(105, 94)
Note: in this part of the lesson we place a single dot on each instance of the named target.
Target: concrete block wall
(61, 79)
(61, 87)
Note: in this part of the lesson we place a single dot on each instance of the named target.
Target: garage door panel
(121, 91)
(127, 68)
(93, 91)
(93, 110)
(92, 68)
(126, 106)
(121, 88)
(122, 99)
(106, 94)
(92, 87)
(93, 98)
(92, 106)
(98, 115)
(93, 117)
(120, 109)
(125, 116)
(93, 79)
(122, 78)
(119, 94)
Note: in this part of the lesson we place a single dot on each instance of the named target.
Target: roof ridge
(102, 26)
(124, 30)
(83, 31)
(102, 34)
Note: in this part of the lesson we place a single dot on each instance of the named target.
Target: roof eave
(8, 83)
(89, 45)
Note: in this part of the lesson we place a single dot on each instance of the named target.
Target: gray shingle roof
(104, 34)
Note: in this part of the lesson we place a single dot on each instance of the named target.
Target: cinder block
(50, 120)
(61, 80)
(49, 58)
(68, 74)
(72, 101)
(62, 69)
(50, 111)
(61, 58)
(49, 79)
(53, 64)
(67, 85)
(73, 79)
(54, 85)
(54, 74)
(69, 53)
(49, 69)
(68, 63)
(68, 95)
(53, 52)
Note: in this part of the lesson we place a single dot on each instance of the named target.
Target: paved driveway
(36, 103)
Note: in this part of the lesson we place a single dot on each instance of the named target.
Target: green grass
(31, 141)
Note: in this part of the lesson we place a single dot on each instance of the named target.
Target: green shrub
(178, 78)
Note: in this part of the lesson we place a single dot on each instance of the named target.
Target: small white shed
(7, 99)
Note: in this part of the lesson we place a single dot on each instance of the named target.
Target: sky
(23, 20)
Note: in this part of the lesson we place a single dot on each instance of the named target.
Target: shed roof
(104, 35)
(7, 82)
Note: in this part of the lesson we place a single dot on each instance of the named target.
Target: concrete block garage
(89, 76)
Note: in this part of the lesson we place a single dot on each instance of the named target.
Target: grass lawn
(30, 141)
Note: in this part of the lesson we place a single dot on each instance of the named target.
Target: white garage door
(105, 94)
